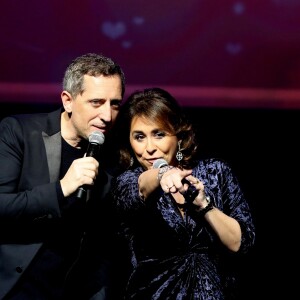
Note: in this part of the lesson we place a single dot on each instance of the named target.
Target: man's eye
(95, 102)
(116, 104)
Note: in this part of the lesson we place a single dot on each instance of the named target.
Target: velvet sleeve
(222, 186)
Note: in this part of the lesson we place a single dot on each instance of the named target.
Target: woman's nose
(150, 147)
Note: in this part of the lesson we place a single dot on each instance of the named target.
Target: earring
(179, 155)
(131, 161)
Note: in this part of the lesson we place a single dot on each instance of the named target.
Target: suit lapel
(52, 143)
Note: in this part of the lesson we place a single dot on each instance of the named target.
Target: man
(46, 231)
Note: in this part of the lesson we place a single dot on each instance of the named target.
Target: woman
(185, 220)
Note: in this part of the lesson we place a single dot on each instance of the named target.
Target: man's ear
(67, 101)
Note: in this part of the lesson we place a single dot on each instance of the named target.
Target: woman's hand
(201, 200)
(172, 181)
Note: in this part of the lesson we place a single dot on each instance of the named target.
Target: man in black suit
(47, 249)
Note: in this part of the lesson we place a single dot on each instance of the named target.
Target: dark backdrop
(208, 53)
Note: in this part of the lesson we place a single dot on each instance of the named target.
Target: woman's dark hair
(162, 108)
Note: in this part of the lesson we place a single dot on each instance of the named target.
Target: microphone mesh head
(159, 163)
(96, 137)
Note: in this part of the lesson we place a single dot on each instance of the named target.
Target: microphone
(191, 193)
(159, 163)
(96, 139)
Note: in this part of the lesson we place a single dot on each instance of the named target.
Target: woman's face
(150, 142)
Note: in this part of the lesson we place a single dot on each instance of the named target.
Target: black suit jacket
(30, 154)
(30, 158)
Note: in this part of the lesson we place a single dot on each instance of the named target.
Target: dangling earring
(131, 161)
(179, 155)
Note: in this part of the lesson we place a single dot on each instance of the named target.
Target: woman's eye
(160, 134)
(139, 137)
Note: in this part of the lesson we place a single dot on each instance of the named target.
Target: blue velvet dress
(176, 257)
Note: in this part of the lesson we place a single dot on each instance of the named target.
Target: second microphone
(96, 139)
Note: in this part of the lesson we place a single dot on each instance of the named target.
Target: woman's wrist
(162, 171)
(204, 209)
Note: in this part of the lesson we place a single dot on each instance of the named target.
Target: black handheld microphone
(96, 139)
(191, 193)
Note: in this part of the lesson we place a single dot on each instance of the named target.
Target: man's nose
(105, 112)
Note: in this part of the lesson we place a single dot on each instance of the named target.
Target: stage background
(233, 65)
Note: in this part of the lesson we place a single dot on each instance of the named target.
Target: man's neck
(68, 133)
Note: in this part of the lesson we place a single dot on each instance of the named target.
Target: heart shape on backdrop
(113, 30)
